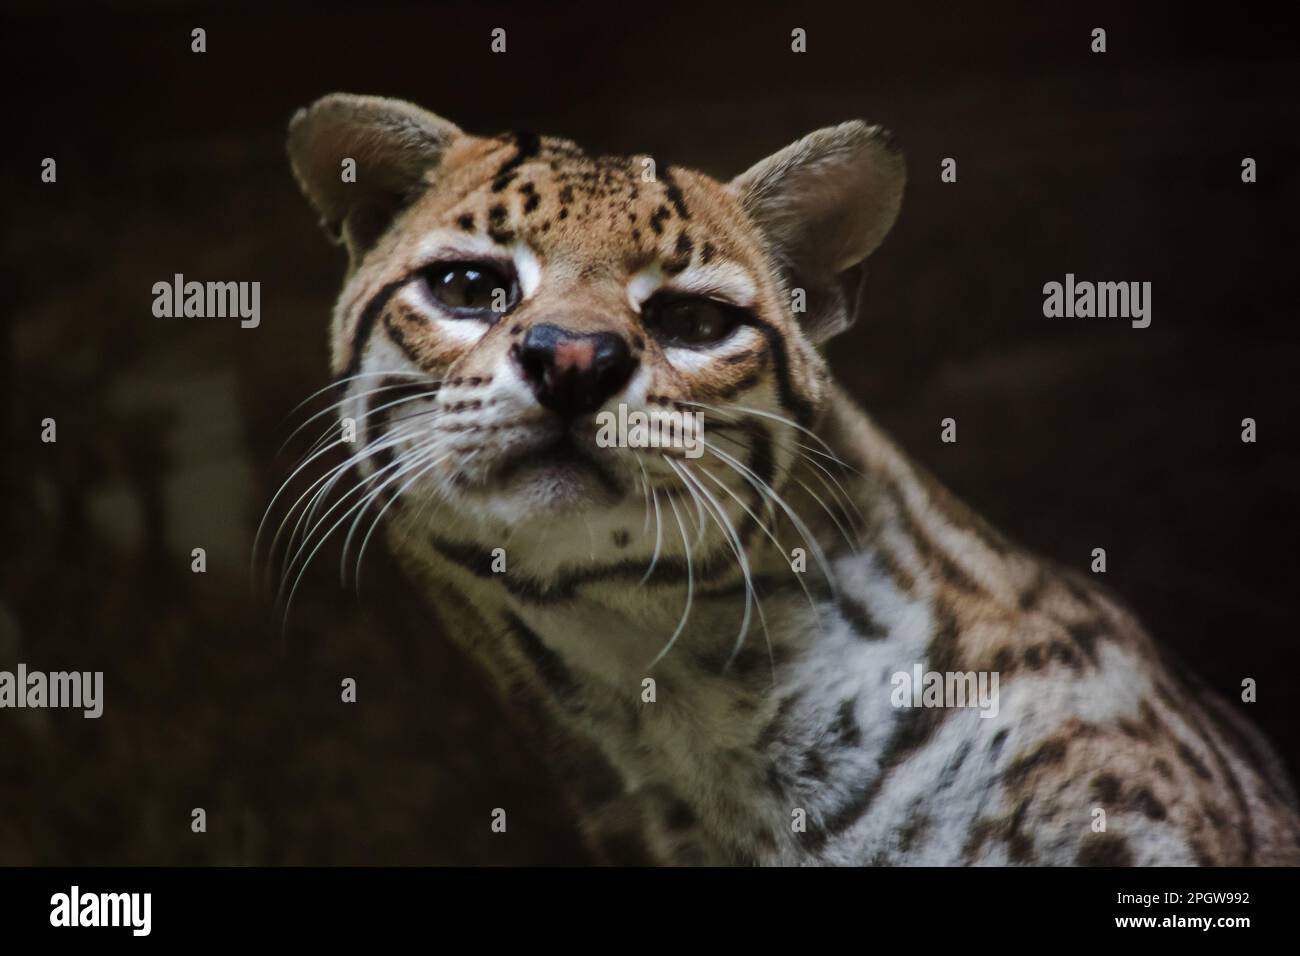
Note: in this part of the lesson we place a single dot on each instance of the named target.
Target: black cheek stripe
(366, 326)
(790, 399)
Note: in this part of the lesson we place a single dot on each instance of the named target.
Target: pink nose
(573, 373)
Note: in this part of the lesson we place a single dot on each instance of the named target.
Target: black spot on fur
(1065, 653)
(621, 538)
(844, 731)
(526, 147)
(1106, 788)
(496, 230)
(951, 768)
(466, 221)
(680, 816)
(814, 766)
(675, 194)
(860, 620)
(1030, 597)
(996, 744)
(706, 252)
(913, 829)
(1104, 849)
(1188, 756)
(1020, 846)
(1146, 802)
(657, 219)
(1047, 753)
(531, 199)
(547, 663)
(1085, 637)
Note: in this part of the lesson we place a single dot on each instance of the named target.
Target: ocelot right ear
(393, 144)
(824, 203)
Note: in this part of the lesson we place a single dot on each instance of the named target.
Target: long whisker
(313, 525)
(827, 451)
(843, 500)
(659, 536)
(645, 494)
(327, 480)
(366, 450)
(801, 453)
(771, 536)
(356, 523)
(850, 539)
(340, 382)
(798, 522)
(729, 530)
(690, 581)
(405, 468)
(430, 393)
(327, 483)
(414, 522)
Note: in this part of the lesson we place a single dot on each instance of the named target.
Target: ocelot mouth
(562, 456)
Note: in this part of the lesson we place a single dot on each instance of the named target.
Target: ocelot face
(531, 338)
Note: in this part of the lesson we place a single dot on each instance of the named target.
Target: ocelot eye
(472, 289)
(690, 320)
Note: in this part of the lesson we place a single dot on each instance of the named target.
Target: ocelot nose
(573, 373)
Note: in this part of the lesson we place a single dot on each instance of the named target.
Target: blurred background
(1073, 433)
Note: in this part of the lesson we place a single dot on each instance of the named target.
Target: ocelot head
(544, 346)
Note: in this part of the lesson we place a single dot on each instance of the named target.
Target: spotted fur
(754, 729)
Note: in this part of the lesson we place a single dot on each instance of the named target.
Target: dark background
(1073, 433)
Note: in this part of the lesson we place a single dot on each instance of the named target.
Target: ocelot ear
(824, 203)
(393, 144)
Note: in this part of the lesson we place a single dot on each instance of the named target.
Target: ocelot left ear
(824, 203)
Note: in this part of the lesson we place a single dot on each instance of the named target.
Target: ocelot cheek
(422, 342)
(733, 376)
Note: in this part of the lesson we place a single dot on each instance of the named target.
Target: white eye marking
(527, 268)
(461, 330)
(644, 284)
(724, 281)
(697, 359)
